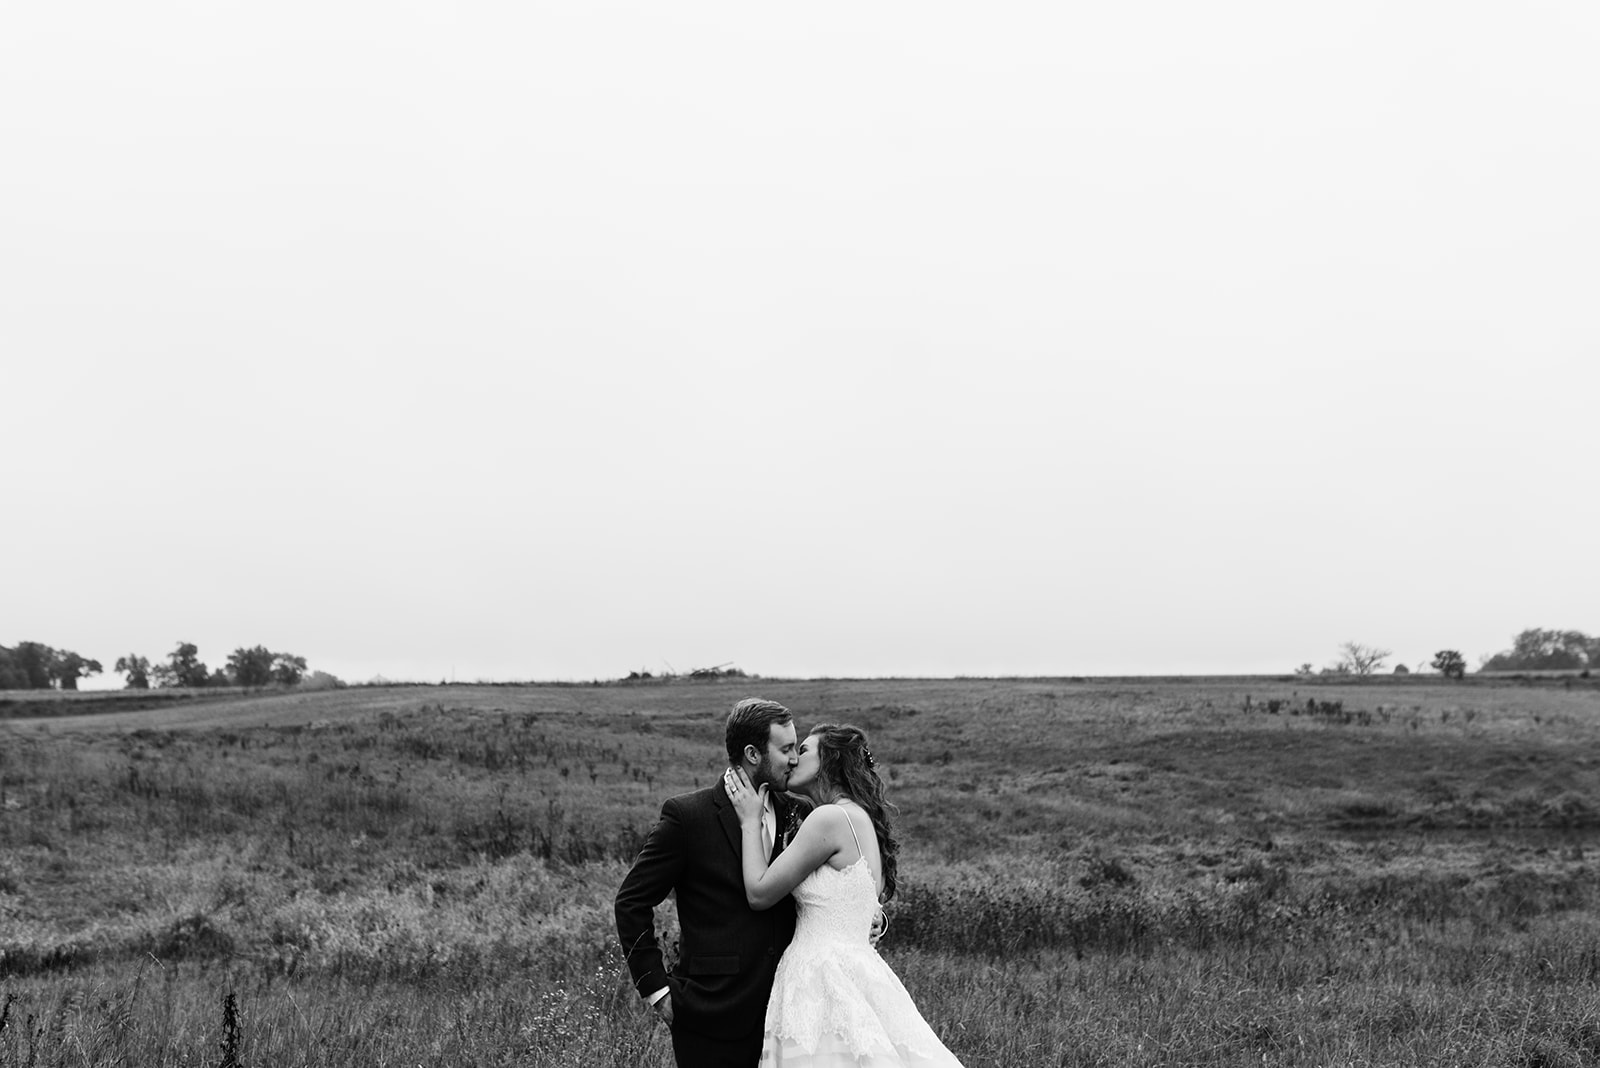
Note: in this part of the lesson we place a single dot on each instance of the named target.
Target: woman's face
(805, 772)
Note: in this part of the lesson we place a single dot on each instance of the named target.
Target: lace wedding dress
(835, 1003)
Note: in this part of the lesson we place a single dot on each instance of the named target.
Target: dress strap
(852, 823)
(853, 827)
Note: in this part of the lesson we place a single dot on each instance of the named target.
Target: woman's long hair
(846, 763)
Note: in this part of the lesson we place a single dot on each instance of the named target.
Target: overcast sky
(526, 341)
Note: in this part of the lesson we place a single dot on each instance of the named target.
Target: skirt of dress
(835, 1002)
(842, 1006)
(834, 1052)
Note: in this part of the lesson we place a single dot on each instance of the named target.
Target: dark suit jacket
(729, 951)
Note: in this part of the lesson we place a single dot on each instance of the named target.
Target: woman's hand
(748, 801)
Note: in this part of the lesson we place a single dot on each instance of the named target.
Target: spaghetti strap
(852, 824)
(862, 853)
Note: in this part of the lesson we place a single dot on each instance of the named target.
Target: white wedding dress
(835, 1003)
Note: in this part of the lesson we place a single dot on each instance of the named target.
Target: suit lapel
(727, 817)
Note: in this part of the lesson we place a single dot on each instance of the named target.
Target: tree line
(36, 666)
(1547, 650)
(1534, 649)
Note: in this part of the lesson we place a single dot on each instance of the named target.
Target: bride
(834, 1001)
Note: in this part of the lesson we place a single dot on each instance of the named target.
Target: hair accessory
(870, 762)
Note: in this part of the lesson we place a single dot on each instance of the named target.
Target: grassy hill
(1095, 872)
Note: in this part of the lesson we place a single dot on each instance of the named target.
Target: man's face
(780, 758)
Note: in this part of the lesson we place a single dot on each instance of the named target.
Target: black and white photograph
(859, 536)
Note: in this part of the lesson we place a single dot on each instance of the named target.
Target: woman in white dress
(835, 1003)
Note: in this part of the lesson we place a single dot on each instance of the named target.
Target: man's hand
(880, 924)
(663, 1009)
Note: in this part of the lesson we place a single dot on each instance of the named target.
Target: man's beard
(764, 774)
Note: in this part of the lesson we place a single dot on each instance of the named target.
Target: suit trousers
(693, 1050)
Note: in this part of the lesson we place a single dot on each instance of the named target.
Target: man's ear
(752, 754)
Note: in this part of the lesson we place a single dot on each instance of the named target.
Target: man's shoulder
(693, 801)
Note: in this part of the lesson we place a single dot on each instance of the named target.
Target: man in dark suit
(715, 999)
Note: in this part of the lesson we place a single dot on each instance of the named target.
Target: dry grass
(1129, 872)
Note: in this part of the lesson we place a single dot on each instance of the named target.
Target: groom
(715, 999)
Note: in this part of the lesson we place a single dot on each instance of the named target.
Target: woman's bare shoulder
(828, 818)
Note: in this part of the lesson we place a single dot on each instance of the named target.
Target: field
(1100, 872)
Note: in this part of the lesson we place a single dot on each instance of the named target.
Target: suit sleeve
(654, 873)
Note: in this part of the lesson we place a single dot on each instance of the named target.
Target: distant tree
(137, 670)
(1401, 669)
(69, 667)
(36, 666)
(184, 667)
(251, 668)
(1449, 663)
(288, 668)
(37, 662)
(219, 677)
(1358, 659)
(12, 676)
(1544, 650)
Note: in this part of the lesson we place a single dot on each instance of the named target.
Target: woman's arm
(813, 845)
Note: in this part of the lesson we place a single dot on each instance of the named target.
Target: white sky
(556, 341)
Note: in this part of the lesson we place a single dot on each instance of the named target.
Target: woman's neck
(826, 794)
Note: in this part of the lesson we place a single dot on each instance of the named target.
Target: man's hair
(750, 723)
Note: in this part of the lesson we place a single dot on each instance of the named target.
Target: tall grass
(1093, 874)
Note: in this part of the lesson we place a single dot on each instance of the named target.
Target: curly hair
(845, 761)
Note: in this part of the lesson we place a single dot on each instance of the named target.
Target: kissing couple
(779, 868)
